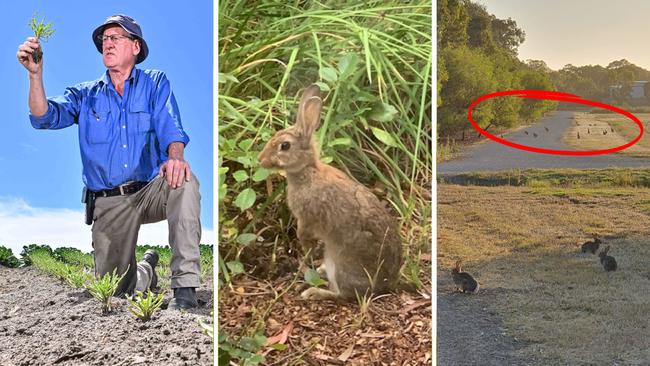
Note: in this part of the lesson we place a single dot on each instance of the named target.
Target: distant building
(637, 92)
(638, 89)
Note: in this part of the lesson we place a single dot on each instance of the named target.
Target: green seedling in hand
(103, 288)
(41, 31)
(143, 306)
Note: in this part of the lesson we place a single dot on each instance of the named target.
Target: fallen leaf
(347, 353)
(415, 305)
(373, 335)
(282, 336)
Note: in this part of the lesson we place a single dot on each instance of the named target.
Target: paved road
(492, 156)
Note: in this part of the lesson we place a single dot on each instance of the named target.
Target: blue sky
(40, 184)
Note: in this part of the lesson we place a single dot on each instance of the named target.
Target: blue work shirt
(121, 138)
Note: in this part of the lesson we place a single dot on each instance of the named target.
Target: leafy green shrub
(74, 256)
(372, 61)
(103, 288)
(143, 306)
(8, 259)
(245, 350)
(31, 248)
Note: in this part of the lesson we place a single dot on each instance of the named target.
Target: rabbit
(464, 281)
(591, 246)
(362, 245)
(607, 261)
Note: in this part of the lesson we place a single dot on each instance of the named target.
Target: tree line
(477, 55)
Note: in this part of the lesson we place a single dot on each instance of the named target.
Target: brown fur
(464, 281)
(362, 243)
(608, 262)
(591, 246)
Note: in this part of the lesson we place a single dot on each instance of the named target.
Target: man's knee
(188, 187)
(192, 184)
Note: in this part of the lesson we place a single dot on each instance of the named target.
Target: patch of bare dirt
(44, 322)
(470, 332)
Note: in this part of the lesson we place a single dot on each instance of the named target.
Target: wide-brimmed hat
(130, 26)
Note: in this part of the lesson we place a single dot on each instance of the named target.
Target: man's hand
(176, 170)
(24, 55)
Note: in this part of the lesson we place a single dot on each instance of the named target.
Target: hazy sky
(580, 32)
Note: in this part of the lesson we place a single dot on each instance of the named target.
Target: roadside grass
(620, 130)
(559, 178)
(522, 243)
(447, 150)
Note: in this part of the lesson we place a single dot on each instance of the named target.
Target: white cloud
(22, 224)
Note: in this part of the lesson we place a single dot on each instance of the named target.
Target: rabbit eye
(285, 146)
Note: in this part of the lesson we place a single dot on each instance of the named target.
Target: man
(132, 145)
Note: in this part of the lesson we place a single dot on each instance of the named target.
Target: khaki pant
(117, 221)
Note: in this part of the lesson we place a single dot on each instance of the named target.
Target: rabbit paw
(322, 272)
(315, 293)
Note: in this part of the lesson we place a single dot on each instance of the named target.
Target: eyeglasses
(113, 37)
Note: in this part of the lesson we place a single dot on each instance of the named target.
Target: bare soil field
(44, 322)
(542, 301)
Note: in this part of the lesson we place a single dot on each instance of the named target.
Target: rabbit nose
(262, 160)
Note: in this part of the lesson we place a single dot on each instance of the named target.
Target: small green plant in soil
(42, 31)
(143, 306)
(364, 303)
(8, 259)
(103, 288)
(313, 278)
(207, 328)
(41, 257)
(76, 278)
(412, 272)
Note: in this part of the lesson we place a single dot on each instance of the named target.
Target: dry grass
(522, 243)
(620, 130)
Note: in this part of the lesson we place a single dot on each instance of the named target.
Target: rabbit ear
(309, 112)
(606, 250)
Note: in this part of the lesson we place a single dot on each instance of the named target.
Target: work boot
(151, 257)
(184, 298)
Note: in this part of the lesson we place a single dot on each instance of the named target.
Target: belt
(121, 190)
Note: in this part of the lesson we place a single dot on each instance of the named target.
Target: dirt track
(492, 156)
(44, 322)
